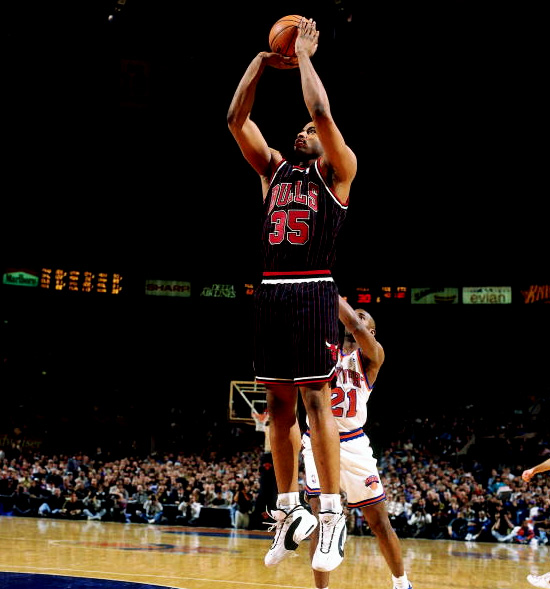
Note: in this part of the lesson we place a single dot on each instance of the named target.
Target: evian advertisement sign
(487, 295)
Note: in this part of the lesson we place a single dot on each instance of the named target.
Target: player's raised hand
(308, 37)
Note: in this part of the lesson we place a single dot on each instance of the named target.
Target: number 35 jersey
(302, 220)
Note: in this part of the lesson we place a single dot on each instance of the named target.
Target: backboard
(244, 397)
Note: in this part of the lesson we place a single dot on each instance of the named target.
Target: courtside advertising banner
(536, 294)
(20, 278)
(435, 296)
(487, 295)
(167, 288)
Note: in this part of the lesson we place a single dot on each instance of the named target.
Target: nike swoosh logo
(289, 536)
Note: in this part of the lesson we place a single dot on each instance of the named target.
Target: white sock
(400, 582)
(288, 499)
(331, 502)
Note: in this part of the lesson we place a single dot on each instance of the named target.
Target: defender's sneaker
(332, 537)
(540, 581)
(291, 527)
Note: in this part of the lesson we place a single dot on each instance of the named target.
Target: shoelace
(329, 518)
(276, 523)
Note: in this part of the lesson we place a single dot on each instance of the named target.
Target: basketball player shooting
(305, 201)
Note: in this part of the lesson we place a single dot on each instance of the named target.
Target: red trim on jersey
(296, 381)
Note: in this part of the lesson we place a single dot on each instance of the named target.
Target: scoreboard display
(59, 279)
(382, 294)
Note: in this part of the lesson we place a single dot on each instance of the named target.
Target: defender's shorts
(359, 477)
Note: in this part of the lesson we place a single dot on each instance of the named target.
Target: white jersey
(359, 477)
(351, 392)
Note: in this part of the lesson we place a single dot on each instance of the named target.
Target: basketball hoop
(260, 419)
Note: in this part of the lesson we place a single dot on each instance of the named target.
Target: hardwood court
(213, 558)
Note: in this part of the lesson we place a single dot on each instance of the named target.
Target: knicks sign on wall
(168, 288)
(536, 293)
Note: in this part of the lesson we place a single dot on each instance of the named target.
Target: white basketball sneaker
(542, 581)
(332, 537)
(291, 527)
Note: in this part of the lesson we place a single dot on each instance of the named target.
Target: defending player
(359, 361)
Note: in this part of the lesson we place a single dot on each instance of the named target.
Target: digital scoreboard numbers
(61, 280)
(382, 294)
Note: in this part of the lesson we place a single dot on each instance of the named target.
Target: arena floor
(51, 554)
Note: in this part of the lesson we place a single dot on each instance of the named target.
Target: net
(260, 419)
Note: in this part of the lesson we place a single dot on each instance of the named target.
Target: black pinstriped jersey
(302, 220)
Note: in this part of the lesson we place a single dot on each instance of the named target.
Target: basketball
(282, 35)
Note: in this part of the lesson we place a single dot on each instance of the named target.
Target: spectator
(8, 487)
(139, 497)
(194, 508)
(53, 505)
(219, 500)
(22, 502)
(183, 512)
(179, 494)
(458, 526)
(93, 506)
(484, 526)
(356, 522)
(208, 494)
(153, 510)
(420, 522)
(117, 505)
(503, 529)
(525, 534)
(38, 493)
(397, 511)
(72, 507)
(245, 505)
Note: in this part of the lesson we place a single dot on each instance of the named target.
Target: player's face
(366, 319)
(307, 142)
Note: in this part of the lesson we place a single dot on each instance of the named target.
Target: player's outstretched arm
(245, 131)
(529, 473)
(338, 155)
(363, 335)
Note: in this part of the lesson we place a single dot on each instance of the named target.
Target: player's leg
(312, 492)
(284, 435)
(320, 578)
(325, 443)
(292, 521)
(325, 440)
(388, 541)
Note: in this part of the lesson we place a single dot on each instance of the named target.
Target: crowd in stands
(451, 477)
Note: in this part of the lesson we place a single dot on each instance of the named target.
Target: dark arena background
(118, 162)
(129, 257)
